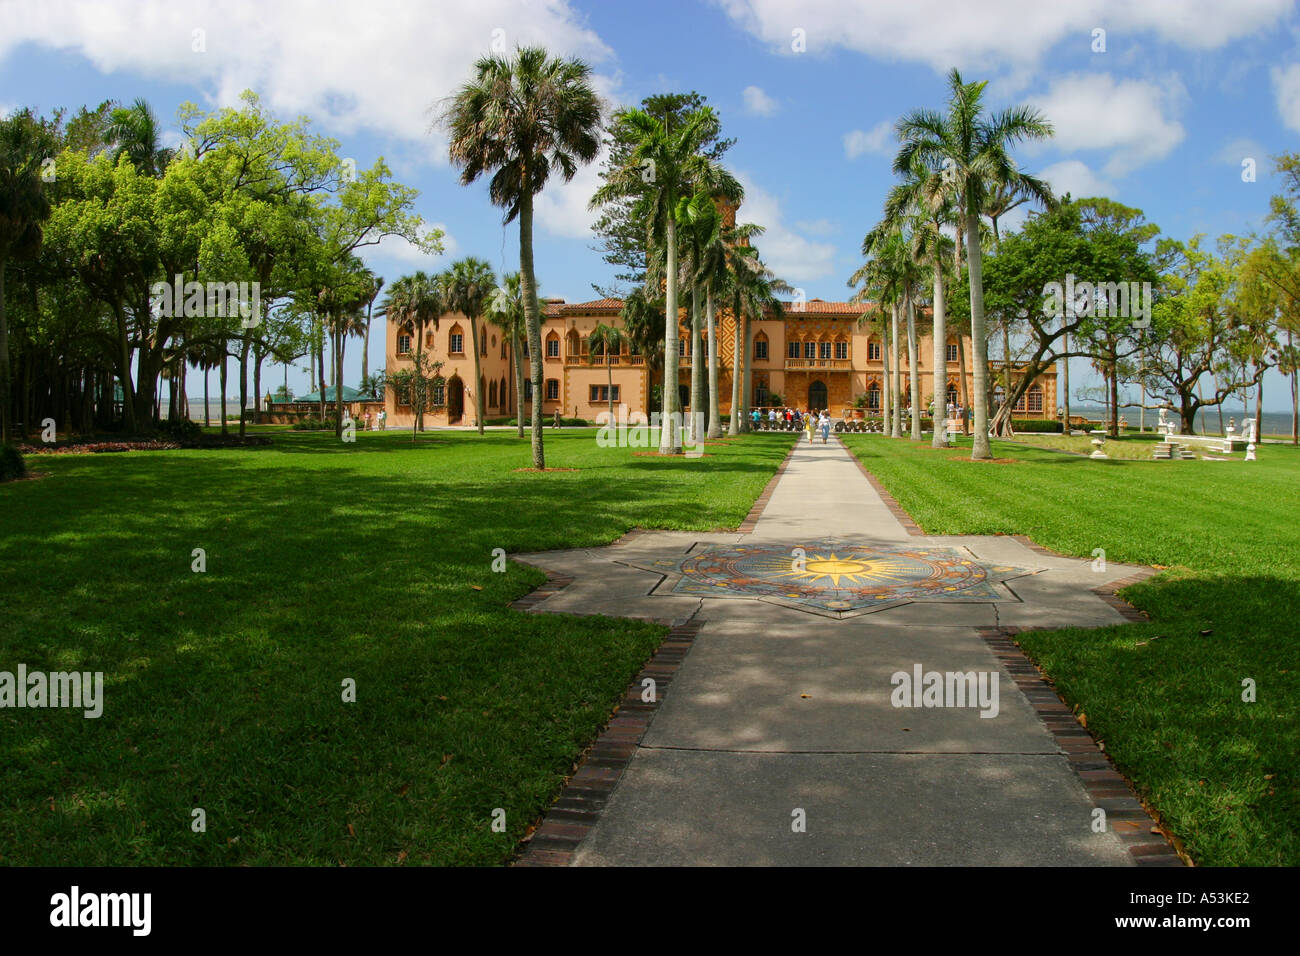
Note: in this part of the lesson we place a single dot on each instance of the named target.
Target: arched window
(841, 347)
(503, 393)
(552, 344)
(505, 349)
(760, 347)
(482, 338)
(456, 340)
(573, 345)
(492, 394)
(951, 394)
(873, 395)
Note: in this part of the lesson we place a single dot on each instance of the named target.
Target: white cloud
(1240, 148)
(1074, 177)
(1001, 34)
(1134, 119)
(817, 227)
(791, 256)
(394, 250)
(878, 140)
(758, 103)
(378, 65)
(1286, 91)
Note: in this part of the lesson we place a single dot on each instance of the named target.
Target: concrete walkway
(779, 741)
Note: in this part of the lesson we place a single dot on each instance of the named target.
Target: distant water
(1207, 420)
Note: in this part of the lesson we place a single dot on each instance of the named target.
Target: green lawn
(325, 561)
(1164, 696)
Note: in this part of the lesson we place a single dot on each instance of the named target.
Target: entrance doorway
(817, 396)
(455, 400)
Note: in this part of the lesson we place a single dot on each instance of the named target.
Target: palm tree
(23, 209)
(970, 146)
(376, 284)
(523, 119)
(610, 341)
(413, 302)
(470, 284)
(505, 310)
(927, 199)
(739, 260)
(754, 290)
(666, 165)
(134, 132)
(893, 245)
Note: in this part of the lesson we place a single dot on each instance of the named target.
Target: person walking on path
(808, 424)
(825, 423)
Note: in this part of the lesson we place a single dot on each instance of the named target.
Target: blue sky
(1161, 120)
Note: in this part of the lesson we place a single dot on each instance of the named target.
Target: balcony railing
(603, 360)
(793, 363)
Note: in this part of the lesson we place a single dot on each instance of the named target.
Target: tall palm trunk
(747, 386)
(669, 436)
(896, 423)
(913, 372)
(737, 360)
(963, 393)
(478, 374)
(698, 401)
(940, 356)
(221, 376)
(715, 423)
(886, 405)
(979, 340)
(1065, 423)
(207, 403)
(518, 353)
(532, 321)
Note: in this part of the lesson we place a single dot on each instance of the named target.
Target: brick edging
(760, 504)
(573, 814)
(1138, 829)
(903, 518)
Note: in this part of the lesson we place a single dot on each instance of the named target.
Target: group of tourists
(376, 421)
(809, 420)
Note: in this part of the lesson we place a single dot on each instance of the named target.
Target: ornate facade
(815, 356)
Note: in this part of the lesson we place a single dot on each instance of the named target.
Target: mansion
(814, 356)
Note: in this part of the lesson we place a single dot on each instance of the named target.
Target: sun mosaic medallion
(835, 576)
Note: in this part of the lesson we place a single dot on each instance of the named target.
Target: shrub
(179, 429)
(11, 463)
(1035, 425)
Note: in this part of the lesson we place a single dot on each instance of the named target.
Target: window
(503, 348)
(1036, 399)
(952, 351)
(873, 351)
(523, 343)
(825, 350)
(760, 394)
(600, 393)
(552, 347)
(403, 345)
(457, 346)
(492, 394)
(952, 394)
(681, 347)
(841, 350)
(439, 395)
(760, 351)
(810, 350)
(793, 350)
(528, 390)
(552, 389)
(873, 396)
